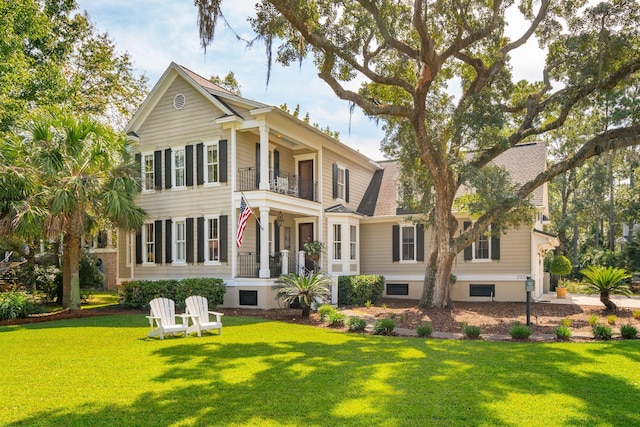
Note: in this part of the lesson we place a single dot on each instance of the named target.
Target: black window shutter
(223, 238)
(276, 237)
(495, 248)
(188, 164)
(468, 251)
(200, 163)
(157, 165)
(222, 161)
(257, 241)
(396, 243)
(346, 185)
(335, 181)
(139, 166)
(200, 239)
(420, 242)
(189, 240)
(167, 168)
(139, 247)
(158, 243)
(168, 247)
(276, 163)
(257, 165)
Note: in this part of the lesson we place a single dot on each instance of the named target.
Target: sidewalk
(550, 298)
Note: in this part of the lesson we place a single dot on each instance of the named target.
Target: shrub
(628, 331)
(336, 319)
(14, 305)
(356, 324)
(211, 288)
(324, 310)
(563, 332)
(602, 332)
(90, 275)
(519, 332)
(471, 331)
(138, 293)
(384, 326)
(566, 322)
(357, 290)
(593, 320)
(611, 319)
(425, 330)
(636, 314)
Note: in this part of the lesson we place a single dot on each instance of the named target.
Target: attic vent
(178, 101)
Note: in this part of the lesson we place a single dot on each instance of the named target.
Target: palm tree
(306, 289)
(67, 172)
(606, 281)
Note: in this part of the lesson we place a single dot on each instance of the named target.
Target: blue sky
(156, 32)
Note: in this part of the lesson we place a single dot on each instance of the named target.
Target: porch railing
(282, 182)
(249, 265)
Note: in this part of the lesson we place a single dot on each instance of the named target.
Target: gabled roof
(341, 209)
(523, 162)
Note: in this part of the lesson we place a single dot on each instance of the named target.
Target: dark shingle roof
(523, 162)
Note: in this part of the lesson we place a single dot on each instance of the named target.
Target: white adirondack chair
(163, 318)
(198, 311)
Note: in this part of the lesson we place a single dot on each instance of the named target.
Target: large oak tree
(438, 74)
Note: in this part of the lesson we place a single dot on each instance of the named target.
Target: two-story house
(203, 151)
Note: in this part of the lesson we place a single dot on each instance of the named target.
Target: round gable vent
(178, 101)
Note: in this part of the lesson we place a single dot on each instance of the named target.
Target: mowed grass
(103, 371)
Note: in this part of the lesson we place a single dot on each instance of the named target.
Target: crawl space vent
(178, 101)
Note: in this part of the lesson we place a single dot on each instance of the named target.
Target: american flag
(245, 213)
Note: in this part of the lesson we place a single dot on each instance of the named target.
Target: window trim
(174, 239)
(146, 242)
(205, 163)
(474, 248)
(336, 243)
(207, 218)
(174, 169)
(353, 242)
(401, 244)
(144, 172)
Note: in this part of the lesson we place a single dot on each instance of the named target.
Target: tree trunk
(604, 298)
(612, 213)
(437, 280)
(71, 262)
(306, 311)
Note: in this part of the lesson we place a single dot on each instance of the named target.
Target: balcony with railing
(280, 182)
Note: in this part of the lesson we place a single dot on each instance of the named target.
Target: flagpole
(252, 212)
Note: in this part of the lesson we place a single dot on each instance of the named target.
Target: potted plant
(561, 266)
(314, 249)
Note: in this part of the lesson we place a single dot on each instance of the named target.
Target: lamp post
(529, 285)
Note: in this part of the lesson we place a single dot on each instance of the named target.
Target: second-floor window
(179, 168)
(340, 183)
(148, 178)
(211, 164)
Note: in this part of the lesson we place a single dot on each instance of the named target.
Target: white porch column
(264, 158)
(285, 261)
(301, 260)
(334, 291)
(264, 242)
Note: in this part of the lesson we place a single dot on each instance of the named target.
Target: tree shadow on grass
(261, 374)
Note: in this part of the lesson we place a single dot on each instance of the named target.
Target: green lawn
(103, 371)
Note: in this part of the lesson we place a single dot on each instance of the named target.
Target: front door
(305, 234)
(305, 177)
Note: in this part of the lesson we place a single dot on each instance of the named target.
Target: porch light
(280, 219)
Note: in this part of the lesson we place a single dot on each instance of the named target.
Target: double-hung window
(212, 240)
(337, 241)
(482, 248)
(180, 241)
(148, 177)
(212, 164)
(179, 168)
(148, 237)
(408, 246)
(340, 180)
(353, 242)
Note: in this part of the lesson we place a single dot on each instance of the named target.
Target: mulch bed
(491, 317)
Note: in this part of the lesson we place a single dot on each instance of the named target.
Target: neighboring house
(201, 149)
